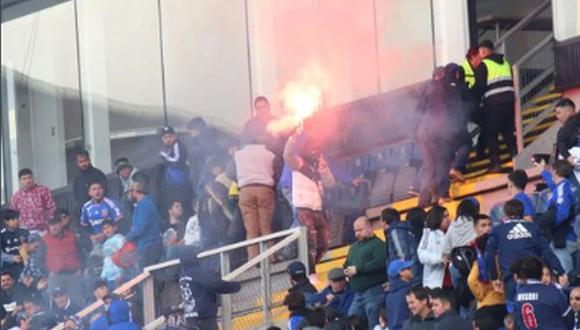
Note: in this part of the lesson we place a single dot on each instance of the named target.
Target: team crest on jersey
(519, 231)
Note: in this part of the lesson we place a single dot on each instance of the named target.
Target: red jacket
(61, 253)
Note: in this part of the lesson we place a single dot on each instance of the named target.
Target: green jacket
(369, 258)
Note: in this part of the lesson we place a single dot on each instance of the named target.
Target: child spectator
(445, 315)
(383, 321)
(401, 242)
(420, 308)
(296, 304)
(509, 322)
(61, 254)
(401, 275)
(337, 296)
(430, 251)
(538, 306)
(558, 221)
(490, 303)
(34, 273)
(98, 209)
(513, 239)
(13, 242)
(112, 273)
(517, 182)
(65, 218)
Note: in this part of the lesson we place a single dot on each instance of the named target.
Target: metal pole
(149, 300)
(303, 246)
(266, 286)
(518, 108)
(226, 299)
(79, 76)
(162, 60)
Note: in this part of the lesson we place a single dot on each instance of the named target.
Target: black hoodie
(200, 287)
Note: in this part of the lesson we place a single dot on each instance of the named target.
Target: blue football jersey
(93, 214)
(541, 306)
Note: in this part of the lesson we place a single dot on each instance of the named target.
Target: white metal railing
(146, 278)
(501, 41)
(541, 60)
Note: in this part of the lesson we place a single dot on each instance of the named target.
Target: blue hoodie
(119, 316)
(200, 287)
(396, 303)
(402, 244)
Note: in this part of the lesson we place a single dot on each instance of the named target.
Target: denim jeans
(369, 304)
(565, 255)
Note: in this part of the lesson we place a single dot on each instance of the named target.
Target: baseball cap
(166, 130)
(336, 274)
(122, 163)
(296, 268)
(59, 290)
(397, 266)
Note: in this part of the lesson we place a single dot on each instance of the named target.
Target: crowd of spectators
(429, 272)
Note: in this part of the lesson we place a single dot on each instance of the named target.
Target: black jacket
(418, 323)
(568, 136)
(82, 182)
(63, 314)
(450, 320)
(200, 287)
(304, 287)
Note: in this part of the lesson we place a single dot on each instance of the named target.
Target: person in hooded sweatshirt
(498, 102)
(401, 276)
(117, 317)
(200, 289)
(460, 233)
(440, 133)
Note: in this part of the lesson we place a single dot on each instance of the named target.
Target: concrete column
(451, 25)
(566, 18)
(93, 60)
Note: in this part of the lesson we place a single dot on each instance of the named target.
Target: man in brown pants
(255, 177)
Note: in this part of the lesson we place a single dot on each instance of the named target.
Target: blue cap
(397, 266)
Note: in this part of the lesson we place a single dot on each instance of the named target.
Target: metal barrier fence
(264, 284)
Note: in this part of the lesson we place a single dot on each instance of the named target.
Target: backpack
(126, 256)
(462, 259)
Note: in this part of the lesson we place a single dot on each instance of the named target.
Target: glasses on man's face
(575, 298)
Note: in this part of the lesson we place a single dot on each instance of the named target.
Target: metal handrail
(523, 23)
(521, 91)
(292, 235)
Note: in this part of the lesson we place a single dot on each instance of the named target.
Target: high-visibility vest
(469, 74)
(499, 78)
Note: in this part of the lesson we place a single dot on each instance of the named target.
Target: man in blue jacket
(401, 242)
(401, 276)
(199, 291)
(337, 295)
(145, 231)
(558, 220)
(513, 239)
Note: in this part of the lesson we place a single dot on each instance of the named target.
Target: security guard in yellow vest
(498, 101)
